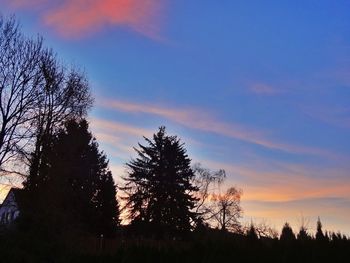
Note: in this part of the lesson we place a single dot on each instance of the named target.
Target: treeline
(69, 211)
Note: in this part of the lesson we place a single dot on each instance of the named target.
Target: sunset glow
(261, 90)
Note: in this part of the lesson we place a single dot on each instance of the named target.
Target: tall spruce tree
(74, 188)
(319, 233)
(158, 187)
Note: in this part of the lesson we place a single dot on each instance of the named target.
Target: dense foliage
(74, 188)
(158, 187)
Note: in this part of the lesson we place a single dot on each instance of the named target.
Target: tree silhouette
(76, 188)
(226, 209)
(303, 235)
(207, 182)
(63, 95)
(37, 95)
(252, 233)
(287, 234)
(20, 79)
(319, 233)
(263, 230)
(158, 187)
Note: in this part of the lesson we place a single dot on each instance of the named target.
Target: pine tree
(287, 234)
(158, 187)
(251, 233)
(303, 235)
(74, 187)
(319, 233)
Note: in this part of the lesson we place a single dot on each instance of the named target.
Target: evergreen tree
(251, 232)
(75, 187)
(303, 235)
(158, 187)
(319, 233)
(287, 234)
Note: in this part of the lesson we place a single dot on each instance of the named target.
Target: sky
(258, 88)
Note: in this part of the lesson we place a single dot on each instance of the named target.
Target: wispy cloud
(76, 18)
(118, 138)
(282, 187)
(264, 180)
(337, 116)
(202, 120)
(264, 89)
(281, 191)
(118, 127)
(279, 181)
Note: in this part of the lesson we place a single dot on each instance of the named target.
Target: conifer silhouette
(74, 188)
(158, 186)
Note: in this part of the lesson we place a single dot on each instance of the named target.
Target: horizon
(259, 90)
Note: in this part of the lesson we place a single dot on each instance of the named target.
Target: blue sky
(261, 89)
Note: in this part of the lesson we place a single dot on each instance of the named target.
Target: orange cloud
(202, 120)
(273, 189)
(283, 192)
(76, 18)
(276, 182)
(332, 211)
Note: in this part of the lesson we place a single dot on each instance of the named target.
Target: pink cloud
(202, 120)
(117, 127)
(118, 138)
(76, 18)
(264, 180)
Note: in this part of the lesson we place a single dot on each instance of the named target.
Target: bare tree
(20, 80)
(226, 209)
(213, 207)
(37, 94)
(64, 95)
(262, 229)
(207, 182)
